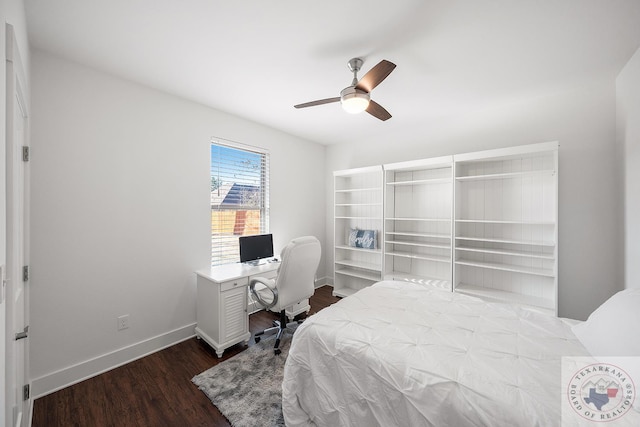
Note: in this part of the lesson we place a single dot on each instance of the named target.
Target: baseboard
(62, 378)
(321, 281)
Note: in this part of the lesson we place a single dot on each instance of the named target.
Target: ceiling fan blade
(376, 75)
(318, 102)
(377, 111)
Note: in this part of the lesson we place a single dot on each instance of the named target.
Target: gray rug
(247, 388)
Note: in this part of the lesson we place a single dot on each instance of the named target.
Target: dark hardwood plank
(153, 391)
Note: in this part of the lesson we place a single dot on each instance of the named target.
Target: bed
(404, 354)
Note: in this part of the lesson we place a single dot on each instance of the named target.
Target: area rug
(247, 388)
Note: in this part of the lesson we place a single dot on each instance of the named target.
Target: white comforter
(401, 354)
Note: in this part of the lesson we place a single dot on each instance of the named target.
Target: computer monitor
(255, 248)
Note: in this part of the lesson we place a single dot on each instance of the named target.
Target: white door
(16, 358)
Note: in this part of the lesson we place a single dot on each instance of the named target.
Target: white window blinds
(239, 197)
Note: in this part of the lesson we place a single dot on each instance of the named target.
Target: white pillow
(612, 329)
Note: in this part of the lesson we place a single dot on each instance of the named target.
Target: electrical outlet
(123, 322)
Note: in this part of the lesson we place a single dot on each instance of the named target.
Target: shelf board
(421, 181)
(443, 163)
(491, 221)
(412, 234)
(366, 171)
(344, 292)
(421, 280)
(418, 244)
(356, 190)
(420, 219)
(359, 217)
(425, 257)
(359, 264)
(359, 273)
(505, 296)
(507, 175)
(351, 248)
(509, 241)
(526, 254)
(547, 272)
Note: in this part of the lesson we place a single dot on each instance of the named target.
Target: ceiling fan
(357, 97)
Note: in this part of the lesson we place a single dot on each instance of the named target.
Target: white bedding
(401, 354)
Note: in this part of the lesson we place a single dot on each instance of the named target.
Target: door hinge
(25, 153)
(24, 334)
(26, 392)
(25, 273)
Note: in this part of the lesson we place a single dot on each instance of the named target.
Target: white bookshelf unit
(358, 198)
(484, 224)
(418, 221)
(506, 233)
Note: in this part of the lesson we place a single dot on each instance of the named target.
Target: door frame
(17, 409)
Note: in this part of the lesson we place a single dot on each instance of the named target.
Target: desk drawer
(233, 284)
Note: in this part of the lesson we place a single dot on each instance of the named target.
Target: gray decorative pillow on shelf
(366, 239)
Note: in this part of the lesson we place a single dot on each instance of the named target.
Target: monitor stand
(262, 261)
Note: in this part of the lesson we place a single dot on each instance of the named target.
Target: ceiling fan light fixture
(354, 100)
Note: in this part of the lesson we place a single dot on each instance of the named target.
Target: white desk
(222, 315)
(238, 270)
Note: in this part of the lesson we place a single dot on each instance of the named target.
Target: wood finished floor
(153, 391)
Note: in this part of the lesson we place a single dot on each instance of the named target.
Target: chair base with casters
(303, 307)
(279, 327)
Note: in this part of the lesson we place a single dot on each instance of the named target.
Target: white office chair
(294, 283)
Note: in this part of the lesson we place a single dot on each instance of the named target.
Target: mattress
(404, 354)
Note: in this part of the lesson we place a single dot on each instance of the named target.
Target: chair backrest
(296, 275)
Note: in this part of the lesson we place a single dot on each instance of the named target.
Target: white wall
(582, 120)
(628, 137)
(121, 216)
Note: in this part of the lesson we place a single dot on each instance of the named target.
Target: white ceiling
(256, 59)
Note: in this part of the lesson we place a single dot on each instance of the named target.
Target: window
(239, 197)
